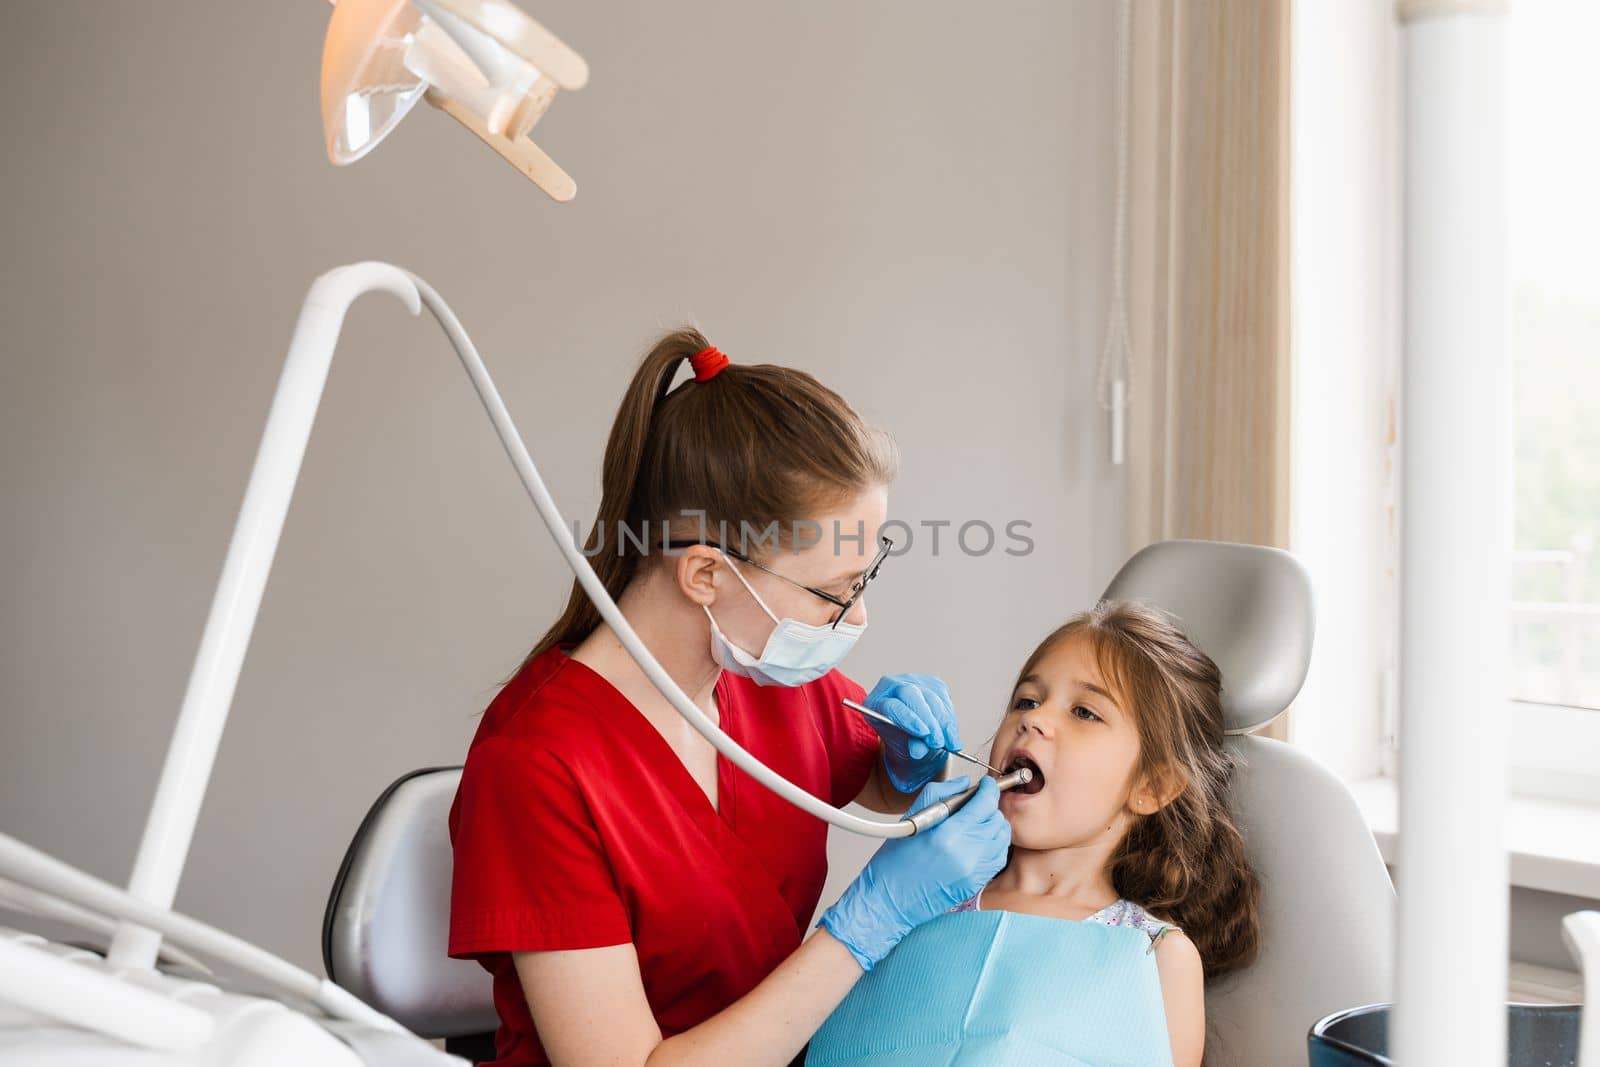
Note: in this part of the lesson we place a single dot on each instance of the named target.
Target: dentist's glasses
(857, 587)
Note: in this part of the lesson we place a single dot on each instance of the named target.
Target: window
(1554, 171)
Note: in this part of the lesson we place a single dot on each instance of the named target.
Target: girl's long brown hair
(755, 444)
(1186, 862)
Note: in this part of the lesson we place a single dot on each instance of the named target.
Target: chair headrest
(1248, 607)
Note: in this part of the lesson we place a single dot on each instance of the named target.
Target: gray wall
(911, 200)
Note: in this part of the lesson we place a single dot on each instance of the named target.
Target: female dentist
(636, 898)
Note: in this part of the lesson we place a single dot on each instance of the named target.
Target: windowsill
(1529, 983)
(1554, 845)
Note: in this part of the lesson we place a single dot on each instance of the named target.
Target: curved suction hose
(523, 462)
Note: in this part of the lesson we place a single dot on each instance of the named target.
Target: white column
(1456, 540)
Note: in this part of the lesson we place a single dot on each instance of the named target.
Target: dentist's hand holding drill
(913, 879)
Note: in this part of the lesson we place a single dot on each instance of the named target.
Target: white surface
(48, 874)
(62, 991)
(145, 1019)
(1554, 845)
(1456, 546)
(56, 913)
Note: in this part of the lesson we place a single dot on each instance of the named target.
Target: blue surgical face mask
(796, 652)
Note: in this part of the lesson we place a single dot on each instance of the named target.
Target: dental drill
(936, 813)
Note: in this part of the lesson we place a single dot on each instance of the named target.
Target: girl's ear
(696, 574)
(1155, 791)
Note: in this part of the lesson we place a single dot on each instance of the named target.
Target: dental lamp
(482, 62)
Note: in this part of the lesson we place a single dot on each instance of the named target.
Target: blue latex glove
(920, 703)
(910, 880)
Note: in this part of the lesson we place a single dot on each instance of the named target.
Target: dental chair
(1327, 902)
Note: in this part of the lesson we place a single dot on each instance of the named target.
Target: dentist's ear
(695, 571)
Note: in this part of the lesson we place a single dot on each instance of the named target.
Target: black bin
(1537, 1035)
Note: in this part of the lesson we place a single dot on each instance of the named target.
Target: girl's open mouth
(1024, 760)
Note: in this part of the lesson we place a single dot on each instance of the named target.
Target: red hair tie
(707, 362)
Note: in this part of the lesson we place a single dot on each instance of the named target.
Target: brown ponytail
(756, 444)
(1186, 862)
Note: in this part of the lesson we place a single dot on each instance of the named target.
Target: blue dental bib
(998, 989)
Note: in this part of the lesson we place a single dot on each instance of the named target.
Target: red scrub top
(577, 826)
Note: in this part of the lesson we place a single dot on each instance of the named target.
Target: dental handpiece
(936, 813)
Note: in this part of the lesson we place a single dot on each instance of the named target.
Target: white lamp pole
(1450, 981)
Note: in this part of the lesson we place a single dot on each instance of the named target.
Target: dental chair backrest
(1327, 904)
(387, 921)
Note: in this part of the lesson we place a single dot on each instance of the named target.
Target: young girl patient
(1125, 824)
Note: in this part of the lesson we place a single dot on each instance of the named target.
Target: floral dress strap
(970, 904)
(1124, 912)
